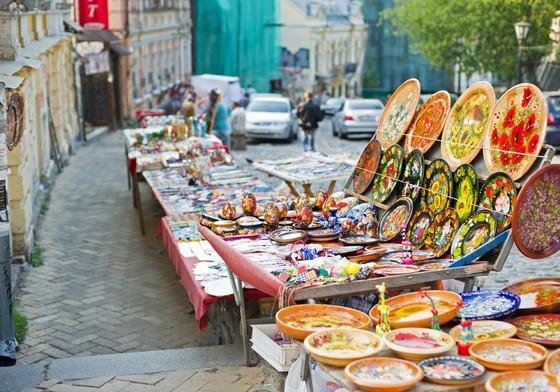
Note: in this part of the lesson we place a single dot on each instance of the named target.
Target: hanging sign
(94, 14)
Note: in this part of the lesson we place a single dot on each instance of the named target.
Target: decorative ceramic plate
(396, 217)
(535, 226)
(438, 186)
(539, 328)
(398, 113)
(360, 210)
(451, 370)
(442, 231)
(538, 295)
(465, 191)
(383, 374)
(287, 236)
(322, 233)
(465, 127)
(552, 363)
(428, 123)
(515, 132)
(486, 329)
(388, 246)
(413, 175)
(489, 304)
(418, 343)
(388, 174)
(367, 166)
(417, 254)
(365, 256)
(522, 381)
(498, 195)
(345, 250)
(508, 354)
(418, 226)
(361, 240)
(391, 270)
(434, 265)
(478, 229)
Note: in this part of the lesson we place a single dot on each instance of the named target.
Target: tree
(476, 34)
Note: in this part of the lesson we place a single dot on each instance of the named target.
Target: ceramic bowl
(340, 346)
(486, 329)
(298, 321)
(552, 363)
(508, 354)
(416, 344)
(383, 374)
(538, 295)
(411, 310)
(522, 380)
(451, 370)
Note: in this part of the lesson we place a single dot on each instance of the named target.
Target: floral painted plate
(418, 343)
(398, 113)
(388, 174)
(417, 254)
(396, 216)
(508, 354)
(539, 328)
(522, 380)
(451, 370)
(438, 186)
(465, 191)
(428, 123)
(552, 363)
(515, 132)
(535, 226)
(360, 210)
(413, 175)
(478, 229)
(498, 195)
(489, 304)
(367, 166)
(383, 374)
(418, 226)
(465, 127)
(442, 231)
(486, 329)
(538, 295)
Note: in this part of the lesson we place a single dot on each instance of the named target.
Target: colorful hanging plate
(367, 166)
(536, 216)
(428, 123)
(538, 295)
(417, 255)
(396, 216)
(451, 370)
(465, 127)
(478, 229)
(413, 175)
(539, 328)
(418, 226)
(388, 174)
(438, 186)
(398, 113)
(516, 130)
(498, 195)
(465, 191)
(489, 304)
(552, 363)
(486, 329)
(442, 231)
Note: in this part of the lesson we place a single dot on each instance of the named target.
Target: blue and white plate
(451, 370)
(357, 212)
(489, 304)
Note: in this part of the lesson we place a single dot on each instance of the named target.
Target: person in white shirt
(237, 119)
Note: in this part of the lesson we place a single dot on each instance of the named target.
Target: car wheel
(295, 133)
(342, 134)
(333, 129)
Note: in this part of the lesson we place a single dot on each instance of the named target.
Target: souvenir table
(305, 170)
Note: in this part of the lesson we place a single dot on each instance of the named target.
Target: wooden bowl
(340, 346)
(416, 344)
(298, 321)
(399, 375)
(401, 307)
(552, 363)
(523, 378)
(529, 355)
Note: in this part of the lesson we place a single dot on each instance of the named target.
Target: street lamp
(521, 32)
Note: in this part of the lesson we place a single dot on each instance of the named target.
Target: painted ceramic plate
(536, 216)
(486, 329)
(345, 250)
(434, 265)
(323, 233)
(428, 123)
(489, 304)
(515, 132)
(361, 240)
(418, 343)
(538, 295)
(451, 370)
(438, 186)
(417, 254)
(522, 380)
(367, 166)
(539, 328)
(396, 216)
(465, 191)
(413, 175)
(508, 354)
(418, 226)
(442, 231)
(465, 127)
(287, 236)
(383, 374)
(498, 195)
(391, 270)
(386, 246)
(478, 229)
(388, 174)
(398, 113)
(360, 210)
(552, 363)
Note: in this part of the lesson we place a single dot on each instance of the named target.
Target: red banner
(94, 14)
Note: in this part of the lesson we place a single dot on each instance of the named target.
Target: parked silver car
(553, 119)
(271, 117)
(358, 116)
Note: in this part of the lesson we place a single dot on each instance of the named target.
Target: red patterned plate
(498, 195)
(367, 166)
(388, 174)
(396, 216)
(539, 328)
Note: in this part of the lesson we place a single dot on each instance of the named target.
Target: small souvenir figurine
(466, 332)
(249, 204)
(320, 198)
(383, 326)
(347, 226)
(302, 201)
(282, 208)
(229, 211)
(271, 214)
(304, 216)
(332, 217)
(407, 247)
(327, 205)
(435, 313)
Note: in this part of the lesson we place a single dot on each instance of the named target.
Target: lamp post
(521, 32)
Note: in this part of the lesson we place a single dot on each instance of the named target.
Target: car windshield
(555, 103)
(267, 106)
(364, 105)
(334, 101)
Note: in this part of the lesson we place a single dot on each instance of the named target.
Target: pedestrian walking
(237, 120)
(309, 115)
(217, 121)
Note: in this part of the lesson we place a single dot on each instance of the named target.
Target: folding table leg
(331, 187)
(138, 202)
(293, 189)
(307, 189)
(237, 286)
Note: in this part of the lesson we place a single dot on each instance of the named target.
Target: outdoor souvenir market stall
(453, 188)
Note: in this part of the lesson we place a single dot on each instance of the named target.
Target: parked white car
(271, 117)
(358, 116)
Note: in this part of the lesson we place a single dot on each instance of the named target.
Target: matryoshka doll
(327, 205)
(271, 214)
(282, 208)
(301, 201)
(229, 211)
(320, 198)
(249, 204)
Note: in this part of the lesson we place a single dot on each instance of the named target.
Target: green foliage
(20, 323)
(477, 33)
(37, 257)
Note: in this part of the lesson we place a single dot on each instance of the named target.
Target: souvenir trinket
(304, 217)
(368, 225)
(347, 226)
(435, 312)
(498, 195)
(465, 333)
(271, 214)
(302, 201)
(407, 251)
(320, 198)
(388, 173)
(382, 326)
(282, 209)
(345, 250)
(229, 212)
(249, 204)
(327, 205)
